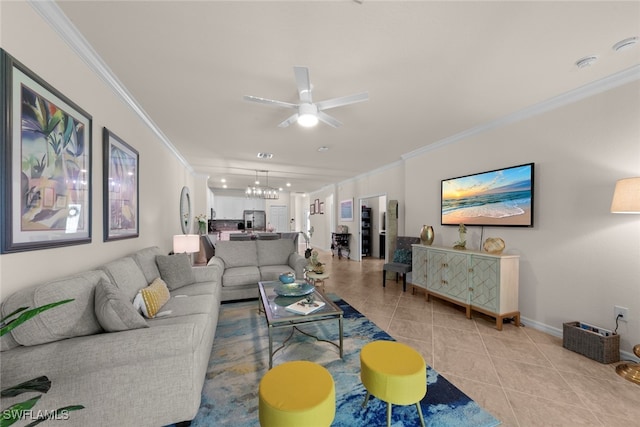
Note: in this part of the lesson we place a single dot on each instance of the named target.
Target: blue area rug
(240, 358)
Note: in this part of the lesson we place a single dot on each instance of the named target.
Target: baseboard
(624, 355)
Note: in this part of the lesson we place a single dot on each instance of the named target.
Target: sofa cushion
(114, 310)
(238, 276)
(188, 305)
(198, 288)
(7, 342)
(152, 298)
(175, 270)
(146, 260)
(126, 275)
(237, 253)
(274, 252)
(73, 319)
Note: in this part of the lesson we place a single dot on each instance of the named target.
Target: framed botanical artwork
(120, 188)
(317, 205)
(312, 209)
(346, 210)
(321, 211)
(45, 163)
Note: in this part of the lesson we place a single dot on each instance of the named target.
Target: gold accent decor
(630, 371)
(494, 245)
(426, 235)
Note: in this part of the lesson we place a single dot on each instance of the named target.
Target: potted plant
(41, 384)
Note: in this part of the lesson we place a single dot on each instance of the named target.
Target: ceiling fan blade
(343, 100)
(270, 102)
(290, 120)
(331, 121)
(303, 83)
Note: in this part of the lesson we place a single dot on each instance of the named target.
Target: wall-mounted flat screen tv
(502, 197)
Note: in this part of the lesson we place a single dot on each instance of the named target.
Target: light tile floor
(524, 377)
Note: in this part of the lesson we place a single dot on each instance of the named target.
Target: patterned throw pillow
(402, 256)
(151, 299)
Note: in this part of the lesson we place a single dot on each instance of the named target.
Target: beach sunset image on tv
(499, 197)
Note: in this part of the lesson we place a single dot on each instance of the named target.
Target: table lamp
(186, 243)
(626, 199)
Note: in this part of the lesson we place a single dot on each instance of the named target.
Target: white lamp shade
(626, 196)
(186, 243)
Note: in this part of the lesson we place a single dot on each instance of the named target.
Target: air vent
(265, 155)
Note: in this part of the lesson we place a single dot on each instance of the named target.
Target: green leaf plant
(41, 384)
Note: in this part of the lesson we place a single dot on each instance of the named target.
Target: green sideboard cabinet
(477, 281)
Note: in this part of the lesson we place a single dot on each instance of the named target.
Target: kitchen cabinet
(229, 207)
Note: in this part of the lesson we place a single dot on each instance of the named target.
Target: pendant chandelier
(256, 191)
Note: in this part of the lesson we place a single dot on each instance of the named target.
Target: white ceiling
(433, 69)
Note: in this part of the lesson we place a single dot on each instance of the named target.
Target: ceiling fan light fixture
(307, 115)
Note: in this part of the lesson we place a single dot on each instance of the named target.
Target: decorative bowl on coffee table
(293, 289)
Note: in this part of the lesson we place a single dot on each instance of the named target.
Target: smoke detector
(587, 61)
(625, 44)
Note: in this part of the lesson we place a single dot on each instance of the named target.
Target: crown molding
(61, 24)
(590, 89)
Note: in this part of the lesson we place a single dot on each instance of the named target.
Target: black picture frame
(121, 207)
(46, 163)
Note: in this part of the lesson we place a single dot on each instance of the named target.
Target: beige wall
(30, 40)
(579, 260)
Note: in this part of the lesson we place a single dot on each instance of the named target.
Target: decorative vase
(288, 277)
(426, 235)
(202, 227)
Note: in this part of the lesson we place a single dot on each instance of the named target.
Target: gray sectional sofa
(245, 263)
(144, 372)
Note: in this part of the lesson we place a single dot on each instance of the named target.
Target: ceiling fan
(308, 112)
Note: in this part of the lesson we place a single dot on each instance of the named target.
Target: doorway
(279, 218)
(371, 231)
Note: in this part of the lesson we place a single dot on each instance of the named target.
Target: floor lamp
(626, 199)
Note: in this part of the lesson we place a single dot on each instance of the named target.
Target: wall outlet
(617, 310)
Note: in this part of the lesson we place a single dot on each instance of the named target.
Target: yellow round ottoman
(297, 394)
(394, 373)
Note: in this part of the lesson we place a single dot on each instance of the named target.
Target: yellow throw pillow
(151, 299)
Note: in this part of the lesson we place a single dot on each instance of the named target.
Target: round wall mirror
(185, 210)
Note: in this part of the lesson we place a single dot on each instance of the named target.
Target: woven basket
(592, 345)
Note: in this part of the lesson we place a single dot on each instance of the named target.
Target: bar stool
(298, 393)
(394, 373)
